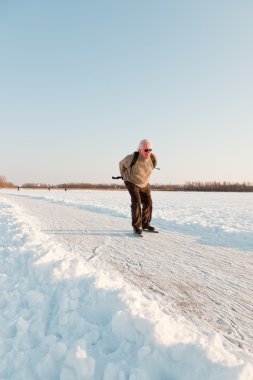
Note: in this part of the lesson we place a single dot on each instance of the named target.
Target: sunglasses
(147, 150)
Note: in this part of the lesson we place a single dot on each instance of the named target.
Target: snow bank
(60, 318)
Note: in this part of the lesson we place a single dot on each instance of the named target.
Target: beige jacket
(140, 173)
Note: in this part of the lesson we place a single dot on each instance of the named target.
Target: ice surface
(80, 298)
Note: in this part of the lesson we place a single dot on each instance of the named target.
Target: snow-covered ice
(82, 298)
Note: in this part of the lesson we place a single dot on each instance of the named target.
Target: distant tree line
(72, 186)
(99, 186)
(30, 185)
(207, 186)
(4, 183)
(188, 186)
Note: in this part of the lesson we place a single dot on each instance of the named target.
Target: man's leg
(134, 192)
(147, 206)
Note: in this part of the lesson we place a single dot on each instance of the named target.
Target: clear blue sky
(81, 82)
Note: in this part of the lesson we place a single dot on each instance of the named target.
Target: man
(136, 169)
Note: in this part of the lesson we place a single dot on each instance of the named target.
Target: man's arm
(154, 160)
(125, 164)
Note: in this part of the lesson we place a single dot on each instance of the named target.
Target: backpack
(136, 155)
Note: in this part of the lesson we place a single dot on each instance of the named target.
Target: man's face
(146, 150)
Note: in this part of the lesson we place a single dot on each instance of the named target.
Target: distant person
(18, 188)
(136, 169)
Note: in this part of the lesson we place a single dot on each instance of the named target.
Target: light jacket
(140, 172)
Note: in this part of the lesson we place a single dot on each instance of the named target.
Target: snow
(82, 298)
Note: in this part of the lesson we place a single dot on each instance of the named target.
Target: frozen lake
(198, 270)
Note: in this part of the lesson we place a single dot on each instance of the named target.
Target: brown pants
(141, 205)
